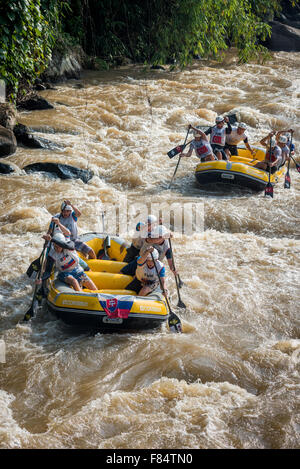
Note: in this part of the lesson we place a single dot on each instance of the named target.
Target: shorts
(77, 273)
(82, 247)
(232, 148)
(217, 148)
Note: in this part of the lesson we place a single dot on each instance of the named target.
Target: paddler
(146, 279)
(158, 238)
(141, 232)
(237, 135)
(272, 161)
(201, 146)
(218, 135)
(67, 263)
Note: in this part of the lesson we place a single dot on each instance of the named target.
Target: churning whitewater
(231, 379)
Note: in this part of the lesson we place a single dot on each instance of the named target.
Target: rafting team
(144, 257)
(223, 143)
(150, 244)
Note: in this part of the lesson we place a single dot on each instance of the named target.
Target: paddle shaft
(179, 157)
(172, 315)
(180, 302)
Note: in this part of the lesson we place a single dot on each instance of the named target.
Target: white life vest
(202, 148)
(70, 223)
(218, 136)
(147, 275)
(65, 261)
(234, 138)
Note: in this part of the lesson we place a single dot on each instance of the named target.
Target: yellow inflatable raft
(111, 307)
(239, 171)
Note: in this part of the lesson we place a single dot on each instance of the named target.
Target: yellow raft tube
(111, 307)
(239, 171)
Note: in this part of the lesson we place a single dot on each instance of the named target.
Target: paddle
(36, 294)
(184, 145)
(174, 322)
(287, 179)
(35, 265)
(297, 164)
(177, 278)
(269, 186)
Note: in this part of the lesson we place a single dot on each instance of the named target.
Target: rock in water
(284, 38)
(35, 103)
(62, 171)
(6, 168)
(8, 142)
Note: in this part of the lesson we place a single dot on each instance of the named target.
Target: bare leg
(145, 291)
(73, 282)
(90, 284)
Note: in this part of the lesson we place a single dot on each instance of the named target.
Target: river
(231, 379)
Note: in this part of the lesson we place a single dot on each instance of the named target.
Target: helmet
(282, 139)
(151, 219)
(65, 206)
(197, 134)
(61, 241)
(219, 119)
(139, 226)
(153, 254)
(159, 232)
(242, 125)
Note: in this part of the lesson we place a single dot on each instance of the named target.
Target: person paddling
(141, 232)
(237, 135)
(148, 276)
(218, 136)
(158, 239)
(68, 218)
(67, 263)
(272, 161)
(201, 146)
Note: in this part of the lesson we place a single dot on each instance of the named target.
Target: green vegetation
(146, 31)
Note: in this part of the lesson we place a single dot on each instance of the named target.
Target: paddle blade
(298, 167)
(181, 304)
(176, 150)
(31, 312)
(232, 119)
(180, 282)
(174, 323)
(269, 190)
(33, 268)
(287, 181)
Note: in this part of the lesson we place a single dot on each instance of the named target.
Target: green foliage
(27, 34)
(147, 31)
(157, 31)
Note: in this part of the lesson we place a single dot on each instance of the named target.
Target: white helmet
(151, 219)
(242, 125)
(282, 139)
(159, 232)
(219, 119)
(62, 242)
(154, 254)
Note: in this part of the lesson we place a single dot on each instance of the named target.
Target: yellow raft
(112, 307)
(239, 171)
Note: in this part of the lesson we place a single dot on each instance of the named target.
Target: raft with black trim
(110, 308)
(239, 171)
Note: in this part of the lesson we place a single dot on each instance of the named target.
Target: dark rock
(6, 168)
(25, 137)
(62, 171)
(283, 38)
(157, 67)
(8, 142)
(8, 115)
(35, 103)
(64, 66)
